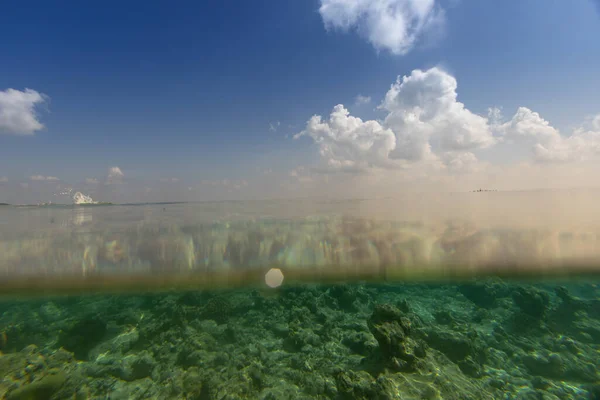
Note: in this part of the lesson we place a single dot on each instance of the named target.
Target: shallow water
(483, 340)
(470, 296)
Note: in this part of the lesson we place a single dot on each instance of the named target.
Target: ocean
(487, 295)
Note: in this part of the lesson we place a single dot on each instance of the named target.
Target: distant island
(484, 190)
(4, 204)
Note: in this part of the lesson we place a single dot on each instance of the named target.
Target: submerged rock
(532, 302)
(218, 308)
(392, 330)
(83, 336)
(482, 294)
(355, 385)
(420, 342)
(42, 389)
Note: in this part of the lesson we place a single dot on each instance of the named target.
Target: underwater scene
(302, 299)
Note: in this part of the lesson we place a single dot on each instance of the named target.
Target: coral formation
(476, 340)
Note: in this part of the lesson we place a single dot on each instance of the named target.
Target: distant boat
(484, 190)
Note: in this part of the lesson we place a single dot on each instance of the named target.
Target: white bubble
(274, 278)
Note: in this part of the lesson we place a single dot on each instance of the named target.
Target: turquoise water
(177, 301)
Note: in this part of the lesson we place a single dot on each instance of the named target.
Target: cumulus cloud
(348, 143)
(361, 100)
(392, 25)
(424, 111)
(91, 181)
(301, 174)
(596, 122)
(426, 126)
(43, 178)
(529, 124)
(495, 115)
(580, 146)
(18, 111)
(115, 176)
(424, 123)
(547, 143)
(461, 162)
(115, 172)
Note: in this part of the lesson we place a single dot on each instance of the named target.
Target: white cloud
(115, 176)
(427, 129)
(526, 124)
(115, 172)
(580, 146)
(424, 112)
(91, 181)
(3, 179)
(347, 143)
(43, 178)
(173, 180)
(301, 174)
(596, 122)
(24, 185)
(461, 162)
(425, 123)
(495, 115)
(547, 144)
(361, 100)
(393, 25)
(273, 126)
(17, 111)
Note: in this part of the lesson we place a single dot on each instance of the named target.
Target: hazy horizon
(341, 99)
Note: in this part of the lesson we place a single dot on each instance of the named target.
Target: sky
(279, 99)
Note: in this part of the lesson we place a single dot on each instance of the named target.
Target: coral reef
(477, 340)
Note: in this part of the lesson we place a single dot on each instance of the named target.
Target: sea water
(458, 296)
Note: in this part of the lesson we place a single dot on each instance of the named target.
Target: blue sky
(189, 92)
